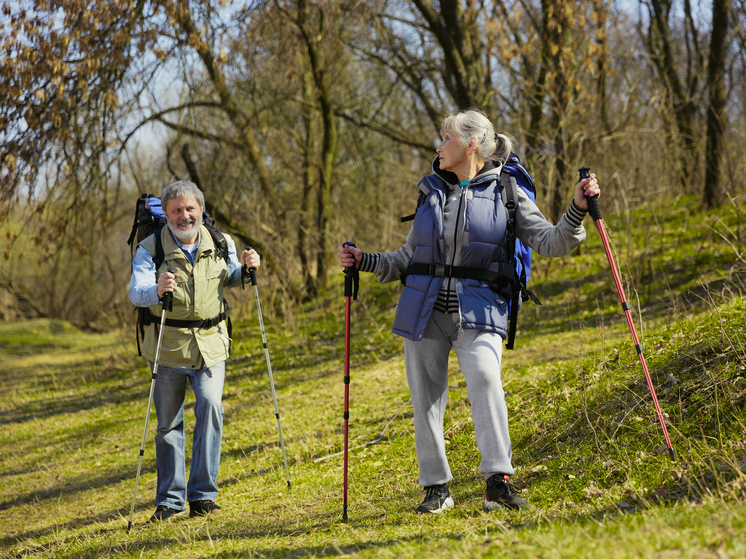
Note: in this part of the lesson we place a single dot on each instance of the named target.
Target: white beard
(184, 235)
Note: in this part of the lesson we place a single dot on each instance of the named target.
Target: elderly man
(195, 345)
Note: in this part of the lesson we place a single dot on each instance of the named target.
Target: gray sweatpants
(479, 355)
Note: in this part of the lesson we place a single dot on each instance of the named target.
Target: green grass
(587, 443)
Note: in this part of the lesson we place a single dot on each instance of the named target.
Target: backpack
(515, 174)
(150, 220)
(519, 255)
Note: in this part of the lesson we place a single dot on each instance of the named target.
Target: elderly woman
(462, 225)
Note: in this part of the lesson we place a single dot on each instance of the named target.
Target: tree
(712, 194)
(683, 91)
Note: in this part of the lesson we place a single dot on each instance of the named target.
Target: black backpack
(150, 220)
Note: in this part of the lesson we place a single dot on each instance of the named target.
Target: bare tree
(712, 194)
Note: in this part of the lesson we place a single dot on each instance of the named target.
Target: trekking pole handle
(351, 275)
(593, 209)
(168, 297)
(248, 272)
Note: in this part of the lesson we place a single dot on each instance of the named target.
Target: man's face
(184, 217)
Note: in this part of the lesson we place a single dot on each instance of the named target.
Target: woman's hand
(586, 187)
(349, 256)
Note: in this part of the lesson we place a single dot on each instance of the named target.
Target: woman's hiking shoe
(501, 493)
(437, 499)
(162, 512)
(203, 508)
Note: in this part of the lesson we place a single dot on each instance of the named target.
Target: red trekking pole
(352, 281)
(595, 212)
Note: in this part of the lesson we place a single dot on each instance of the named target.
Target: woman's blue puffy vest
(483, 235)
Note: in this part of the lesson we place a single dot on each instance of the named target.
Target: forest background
(307, 123)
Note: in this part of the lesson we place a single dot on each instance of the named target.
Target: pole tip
(129, 526)
(672, 453)
(289, 487)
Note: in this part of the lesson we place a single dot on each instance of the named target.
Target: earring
(469, 157)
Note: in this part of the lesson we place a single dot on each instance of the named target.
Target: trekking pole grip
(168, 298)
(593, 209)
(351, 275)
(248, 272)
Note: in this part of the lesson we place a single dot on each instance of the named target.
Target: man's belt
(498, 272)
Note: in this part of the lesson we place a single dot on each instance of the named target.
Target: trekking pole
(352, 278)
(168, 301)
(595, 212)
(251, 274)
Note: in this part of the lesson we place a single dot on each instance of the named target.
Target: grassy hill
(587, 444)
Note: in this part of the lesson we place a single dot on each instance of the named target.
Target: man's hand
(166, 283)
(250, 259)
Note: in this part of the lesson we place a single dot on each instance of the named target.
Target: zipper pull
(461, 334)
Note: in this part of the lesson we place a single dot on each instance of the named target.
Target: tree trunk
(712, 195)
(457, 32)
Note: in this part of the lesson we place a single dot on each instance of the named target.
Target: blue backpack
(514, 174)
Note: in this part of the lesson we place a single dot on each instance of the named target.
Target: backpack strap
(424, 191)
(149, 318)
(509, 186)
(219, 239)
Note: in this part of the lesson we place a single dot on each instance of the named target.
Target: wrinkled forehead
(182, 202)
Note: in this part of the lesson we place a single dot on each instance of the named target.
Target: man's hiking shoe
(501, 493)
(437, 499)
(203, 508)
(162, 512)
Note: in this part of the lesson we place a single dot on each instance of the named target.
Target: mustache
(188, 221)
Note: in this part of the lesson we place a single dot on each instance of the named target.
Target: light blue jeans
(169, 394)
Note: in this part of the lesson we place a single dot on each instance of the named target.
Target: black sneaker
(203, 508)
(162, 512)
(437, 499)
(501, 493)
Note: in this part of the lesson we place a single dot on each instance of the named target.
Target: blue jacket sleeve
(143, 290)
(234, 266)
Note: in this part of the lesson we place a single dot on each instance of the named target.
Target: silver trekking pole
(252, 280)
(168, 300)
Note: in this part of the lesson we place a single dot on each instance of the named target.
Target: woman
(462, 223)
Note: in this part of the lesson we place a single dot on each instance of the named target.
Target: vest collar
(491, 170)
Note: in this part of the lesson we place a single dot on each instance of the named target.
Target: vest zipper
(453, 256)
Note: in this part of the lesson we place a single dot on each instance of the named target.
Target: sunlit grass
(587, 444)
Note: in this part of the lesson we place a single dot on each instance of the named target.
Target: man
(194, 348)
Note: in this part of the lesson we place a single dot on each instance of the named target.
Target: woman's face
(451, 154)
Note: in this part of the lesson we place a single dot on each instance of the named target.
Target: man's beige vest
(198, 295)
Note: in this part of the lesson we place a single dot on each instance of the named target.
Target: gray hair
(182, 189)
(472, 123)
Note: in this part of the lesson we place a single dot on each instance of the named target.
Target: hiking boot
(203, 508)
(437, 499)
(501, 493)
(162, 512)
